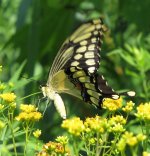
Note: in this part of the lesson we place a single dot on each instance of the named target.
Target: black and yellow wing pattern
(74, 70)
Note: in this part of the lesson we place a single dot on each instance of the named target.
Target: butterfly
(74, 69)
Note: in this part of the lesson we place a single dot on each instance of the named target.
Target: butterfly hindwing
(84, 63)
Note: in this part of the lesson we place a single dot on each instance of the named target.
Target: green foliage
(31, 33)
(137, 58)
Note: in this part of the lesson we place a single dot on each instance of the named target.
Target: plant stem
(26, 138)
(10, 122)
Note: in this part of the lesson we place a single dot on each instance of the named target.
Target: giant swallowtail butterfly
(74, 70)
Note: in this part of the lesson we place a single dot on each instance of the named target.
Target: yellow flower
(116, 123)
(2, 124)
(29, 113)
(130, 139)
(33, 116)
(146, 154)
(111, 104)
(121, 144)
(143, 111)
(129, 106)
(13, 105)
(97, 124)
(36, 116)
(22, 116)
(141, 137)
(92, 141)
(37, 133)
(52, 147)
(28, 108)
(59, 148)
(117, 128)
(9, 97)
(74, 126)
(62, 139)
(117, 119)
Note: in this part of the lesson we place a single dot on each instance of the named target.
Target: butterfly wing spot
(93, 40)
(78, 57)
(95, 32)
(91, 70)
(90, 62)
(89, 55)
(91, 47)
(72, 69)
(75, 63)
(115, 96)
(79, 74)
(95, 101)
(131, 93)
(98, 26)
(84, 79)
(89, 86)
(97, 21)
(81, 49)
(83, 43)
(93, 93)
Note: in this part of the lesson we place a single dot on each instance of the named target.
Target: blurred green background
(32, 31)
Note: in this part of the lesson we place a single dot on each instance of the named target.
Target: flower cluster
(74, 126)
(143, 111)
(97, 124)
(8, 97)
(62, 139)
(116, 123)
(37, 133)
(29, 113)
(53, 148)
(111, 104)
(129, 139)
(129, 107)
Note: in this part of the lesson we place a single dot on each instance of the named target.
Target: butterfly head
(47, 91)
(53, 95)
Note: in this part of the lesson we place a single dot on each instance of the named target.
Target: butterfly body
(74, 70)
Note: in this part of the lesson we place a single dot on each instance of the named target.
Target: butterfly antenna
(32, 79)
(29, 96)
